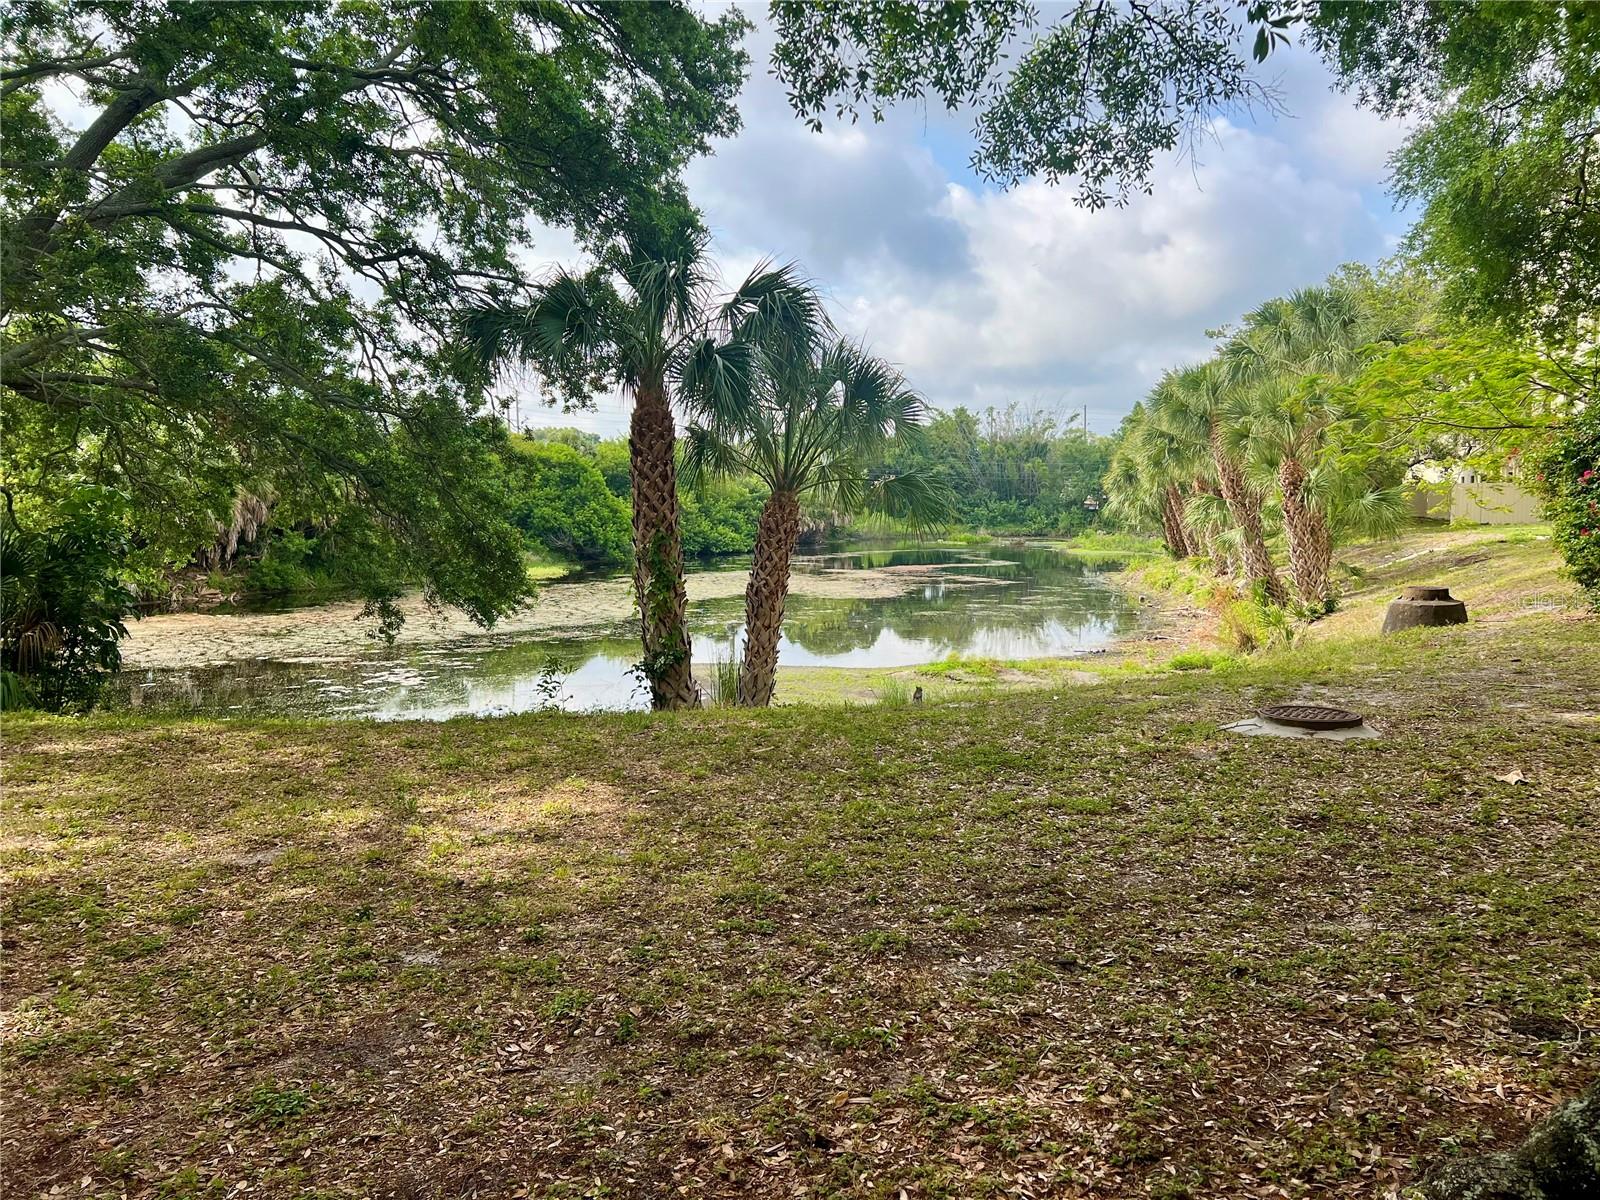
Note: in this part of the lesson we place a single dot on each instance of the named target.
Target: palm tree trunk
(1194, 545)
(1174, 530)
(1244, 506)
(1171, 535)
(764, 597)
(658, 552)
(1310, 547)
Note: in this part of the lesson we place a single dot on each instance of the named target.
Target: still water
(890, 607)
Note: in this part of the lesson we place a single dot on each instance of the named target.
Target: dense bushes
(560, 501)
(720, 518)
(1012, 473)
(1569, 480)
(341, 553)
(286, 566)
(580, 479)
(555, 496)
(62, 604)
(566, 493)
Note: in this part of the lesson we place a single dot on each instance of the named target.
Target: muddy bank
(1168, 622)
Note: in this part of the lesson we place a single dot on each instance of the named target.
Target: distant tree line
(566, 492)
(1011, 472)
(571, 493)
(1014, 470)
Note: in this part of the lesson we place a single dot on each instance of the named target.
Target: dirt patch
(573, 807)
(1167, 621)
(507, 829)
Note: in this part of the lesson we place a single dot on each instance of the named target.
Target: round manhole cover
(1312, 716)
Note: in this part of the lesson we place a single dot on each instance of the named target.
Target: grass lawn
(1070, 941)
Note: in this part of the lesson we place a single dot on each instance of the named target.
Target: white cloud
(1353, 143)
(1335, 137)
(1091, 306)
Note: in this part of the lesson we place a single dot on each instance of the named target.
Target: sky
(986, 297)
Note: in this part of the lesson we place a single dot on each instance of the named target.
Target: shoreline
(1175, 631)
(1170, 625)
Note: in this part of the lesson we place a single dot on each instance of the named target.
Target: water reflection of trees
(872, 560)
(1001, 594)
(1053, 589)
(1037, 560)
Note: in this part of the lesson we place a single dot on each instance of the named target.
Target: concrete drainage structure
(1423, 606)
(1304, 721)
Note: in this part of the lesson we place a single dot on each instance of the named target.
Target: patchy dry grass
(1502, 572)
(1070, 942)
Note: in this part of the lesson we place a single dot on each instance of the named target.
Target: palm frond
(841, 485)
(707, 454)
(1185, 401)
(875, 401)
(671, 288)
(920, 498)
(1203, 510)
(1376, 513)
(778, 309)
(718, 380)
(1132, 488)
(565, 323)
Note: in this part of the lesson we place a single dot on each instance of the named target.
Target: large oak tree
(237, 237)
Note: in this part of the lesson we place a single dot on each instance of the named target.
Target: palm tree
(1198, 406)
(812, 426)
(1324, 495)
(1146, 480)
(1280, 363)
(657, 326)
(1133, 495)
(1205, 512)
(1313, 331)
(1184, 471)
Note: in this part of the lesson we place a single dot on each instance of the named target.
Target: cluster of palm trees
(765, 384)
(1262, 437)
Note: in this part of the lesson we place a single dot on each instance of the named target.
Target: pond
(575, 646)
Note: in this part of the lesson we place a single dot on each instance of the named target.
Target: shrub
(560, 501)
(281, 569)
(1568, 477)
(892, 693)
(63, 604)
(1200, 660)
(721, 517)
(1184, 579)
(1252, 624)
(725, 681)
